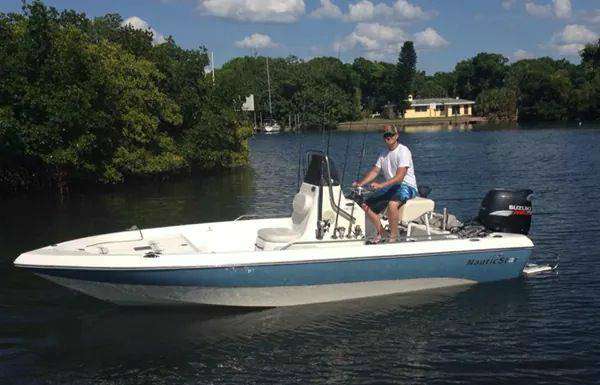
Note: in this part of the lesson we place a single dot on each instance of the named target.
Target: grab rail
(245, 217)
(293, 243)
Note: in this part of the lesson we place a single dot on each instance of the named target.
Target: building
(438, 107)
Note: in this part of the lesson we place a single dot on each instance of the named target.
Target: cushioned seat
(278, 234)
(301, 209)
(414, 208)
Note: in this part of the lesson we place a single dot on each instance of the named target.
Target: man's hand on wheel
(376, 186)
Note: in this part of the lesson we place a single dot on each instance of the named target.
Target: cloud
(571, 40)
(258, 11)
(374, 40)
(592, 16)
(380, 42)
(407, 11)
(508, 4)
(576, 33)
(327, 10)
(430, 38)
(538, 10)
(256, 41)
(402, 10)
(521, 54)
(561, 9)
(137, 23)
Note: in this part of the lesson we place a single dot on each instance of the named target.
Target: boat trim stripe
(271, 263)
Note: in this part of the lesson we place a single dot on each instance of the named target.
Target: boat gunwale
(294, 262)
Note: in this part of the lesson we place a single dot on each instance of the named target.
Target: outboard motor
(507, 211)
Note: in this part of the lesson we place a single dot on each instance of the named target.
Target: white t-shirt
(389, 161)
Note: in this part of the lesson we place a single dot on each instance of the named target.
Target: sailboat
(270, 125)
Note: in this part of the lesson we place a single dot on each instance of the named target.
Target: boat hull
(287, 284)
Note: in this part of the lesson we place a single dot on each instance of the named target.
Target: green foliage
(590, 56)
(484, 71)
(498, 104)
(405, 75)
(321, 91)
(84, 99)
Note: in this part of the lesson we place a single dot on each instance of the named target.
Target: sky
(444, 31)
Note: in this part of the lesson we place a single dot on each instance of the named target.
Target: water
(537, 331)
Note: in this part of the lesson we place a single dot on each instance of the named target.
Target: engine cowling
(507, 211)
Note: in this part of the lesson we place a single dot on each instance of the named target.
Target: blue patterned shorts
(397, 192)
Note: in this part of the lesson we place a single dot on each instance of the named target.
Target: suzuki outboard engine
(506, 211)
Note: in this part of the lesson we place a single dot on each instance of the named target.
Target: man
(400, 184)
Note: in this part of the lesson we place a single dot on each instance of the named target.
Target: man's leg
(393, 215)
(374, 218)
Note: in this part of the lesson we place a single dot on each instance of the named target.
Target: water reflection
(534, 331)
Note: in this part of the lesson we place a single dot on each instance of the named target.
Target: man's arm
(398, 178)
(372, 174)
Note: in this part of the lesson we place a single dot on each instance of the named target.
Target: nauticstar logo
(497, 260)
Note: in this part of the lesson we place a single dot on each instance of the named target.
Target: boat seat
(302, 205)
(414, 208)
(278, 234)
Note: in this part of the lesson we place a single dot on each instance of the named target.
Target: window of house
(439, 108)
(421, 108)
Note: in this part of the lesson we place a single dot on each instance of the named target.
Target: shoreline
(376, 124)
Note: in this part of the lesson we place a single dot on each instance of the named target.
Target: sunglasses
(387, 136)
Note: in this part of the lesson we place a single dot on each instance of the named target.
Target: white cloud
(430, 38)
(374, 40)
(366, 10)
(521, 54)
(256, 41)
(508, 4)
(137, 23)
(327, 10)
(361, 11)
(405, 10)
(560, 9)
(259, 11)
(538, 10)
(571, 40)
(575, 33)
(568, 49)
(592, 16)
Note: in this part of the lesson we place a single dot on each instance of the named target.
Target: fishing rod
(299, 165)
(360, 161)
(337, 212)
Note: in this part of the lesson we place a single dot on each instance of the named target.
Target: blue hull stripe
(482, 266)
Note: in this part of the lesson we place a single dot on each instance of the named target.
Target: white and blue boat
(318, 254)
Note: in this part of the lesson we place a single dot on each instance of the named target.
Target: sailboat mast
(269, 86)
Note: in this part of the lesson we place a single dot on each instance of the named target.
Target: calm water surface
(538, 331)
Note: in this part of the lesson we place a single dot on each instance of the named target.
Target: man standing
(400, 184)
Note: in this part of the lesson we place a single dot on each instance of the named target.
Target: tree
(497, 104)
(482, 72)
(590, 56)
(405, 74)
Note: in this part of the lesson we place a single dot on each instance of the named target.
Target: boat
(320, 253)
(270, 126)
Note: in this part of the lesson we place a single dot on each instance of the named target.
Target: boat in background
(270, 125)
(321, 253)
